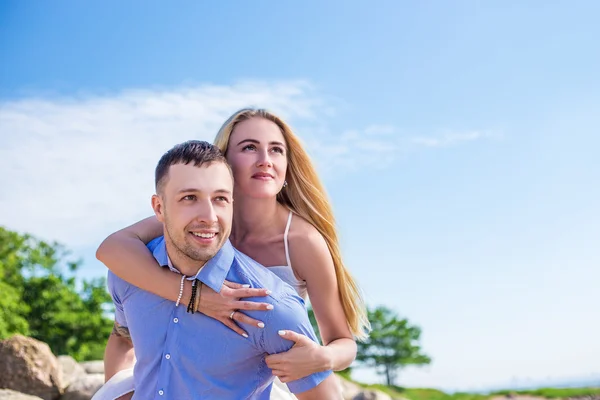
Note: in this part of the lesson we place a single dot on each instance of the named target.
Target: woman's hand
(220, 305)
(304, 358)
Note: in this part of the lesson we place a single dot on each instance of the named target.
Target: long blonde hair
(305, 196)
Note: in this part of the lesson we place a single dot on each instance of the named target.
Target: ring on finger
(231, 315)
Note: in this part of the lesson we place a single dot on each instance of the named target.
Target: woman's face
(257, 154)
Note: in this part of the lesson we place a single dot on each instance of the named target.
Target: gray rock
(71, 370)
(84, 388)
(28, 366)
(7, 394)
(93, 367)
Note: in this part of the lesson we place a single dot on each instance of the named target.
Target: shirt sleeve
(115, 286)
(290, 314)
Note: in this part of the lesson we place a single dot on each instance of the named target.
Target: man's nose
(206, 213)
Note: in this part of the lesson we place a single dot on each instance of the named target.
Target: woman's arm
(312, 262)
(126, 255)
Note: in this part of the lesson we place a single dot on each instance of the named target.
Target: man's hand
(221, 305)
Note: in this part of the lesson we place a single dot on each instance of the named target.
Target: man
(182, 356)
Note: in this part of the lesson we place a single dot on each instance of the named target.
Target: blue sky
(458, 142)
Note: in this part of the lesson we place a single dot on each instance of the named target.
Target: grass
(433, 394)
(552, 393)
(396, 392)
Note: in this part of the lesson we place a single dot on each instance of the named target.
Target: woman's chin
(260, 194)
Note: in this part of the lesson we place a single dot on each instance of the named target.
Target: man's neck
(181, 262)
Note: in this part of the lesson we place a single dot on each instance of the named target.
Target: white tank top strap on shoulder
(285, 272)
(285, 240)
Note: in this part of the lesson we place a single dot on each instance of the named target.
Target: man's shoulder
(117, 287)
(259, 276)
(154, 243)
(248, 266)
(290, 310)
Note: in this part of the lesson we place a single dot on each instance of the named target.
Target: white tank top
(285, 272)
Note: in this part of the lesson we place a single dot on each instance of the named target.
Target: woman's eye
(249, 147)
(277, 150)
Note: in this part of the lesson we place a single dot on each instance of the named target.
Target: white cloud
(75, 168)
(451, 138)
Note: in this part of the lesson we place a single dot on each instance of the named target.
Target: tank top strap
(285, 240)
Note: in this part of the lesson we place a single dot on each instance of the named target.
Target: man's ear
(158, 207)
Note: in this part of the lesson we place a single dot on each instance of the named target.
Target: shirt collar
(213, 273)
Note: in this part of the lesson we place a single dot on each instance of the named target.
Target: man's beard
(183, 247)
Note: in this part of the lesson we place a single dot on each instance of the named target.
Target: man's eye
(189, 197)
(222, 199)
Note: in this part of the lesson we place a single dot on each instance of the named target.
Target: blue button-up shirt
(183, 356)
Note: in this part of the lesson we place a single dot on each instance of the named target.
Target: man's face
(196, 207)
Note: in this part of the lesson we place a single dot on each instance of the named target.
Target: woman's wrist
(187, 293)
(327, 358)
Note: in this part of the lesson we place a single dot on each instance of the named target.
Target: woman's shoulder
(302, 233)
(308, 248)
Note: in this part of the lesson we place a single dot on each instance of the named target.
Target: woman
(284, 221)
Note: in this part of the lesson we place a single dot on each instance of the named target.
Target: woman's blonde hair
(305, 195)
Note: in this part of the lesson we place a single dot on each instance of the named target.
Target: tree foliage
(39, 298)
(392, 344)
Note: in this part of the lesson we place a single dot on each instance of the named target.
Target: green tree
(12, 259)
(39, 299)
(392, 344)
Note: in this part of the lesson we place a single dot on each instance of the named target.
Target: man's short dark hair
(197, 152)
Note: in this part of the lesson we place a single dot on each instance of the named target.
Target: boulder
(28, 366)
(7, 394)
(93, 367)
(84, 387)
(70, 369)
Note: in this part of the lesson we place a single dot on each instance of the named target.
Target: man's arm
(290, 314)
(119, 354)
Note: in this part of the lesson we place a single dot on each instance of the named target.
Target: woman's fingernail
(245, 335)
(246, 286)
(261, 325)
(269, 306)
(281, 333)
(269, 292)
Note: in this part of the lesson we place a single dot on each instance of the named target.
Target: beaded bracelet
(180, 291)
(190, 307)
(198, 294)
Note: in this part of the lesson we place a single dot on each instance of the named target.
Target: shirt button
(176, 320)
(160, 392)
(168, 356)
